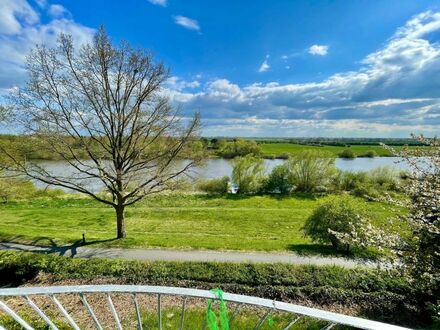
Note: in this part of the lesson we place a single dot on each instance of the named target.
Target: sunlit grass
(181, 221)
(277, 149)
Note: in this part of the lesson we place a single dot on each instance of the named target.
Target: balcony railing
(54, 293)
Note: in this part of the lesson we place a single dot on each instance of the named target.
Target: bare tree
(101, 108)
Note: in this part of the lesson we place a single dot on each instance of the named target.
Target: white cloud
(394, 92)
(320, 50)
(162, 3)
(41, 3)
(19, 36)
(187, 23)
(265, 65)
(14, 14)
(57, 11)
(179, 84)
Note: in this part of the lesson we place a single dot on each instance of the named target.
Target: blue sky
(264, 68)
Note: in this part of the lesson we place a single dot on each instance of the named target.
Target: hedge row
(382, 295)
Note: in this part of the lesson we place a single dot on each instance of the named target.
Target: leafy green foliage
(384, 176)
(370, 154)
(310, 171)
(214, 186)
(248, 173)
(239, 147)
(349, 181)
(347, 153)
(340, 214)
(278, 181)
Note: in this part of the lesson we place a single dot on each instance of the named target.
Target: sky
(259, 68)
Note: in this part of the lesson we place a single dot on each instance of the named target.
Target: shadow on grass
(329, 251)
(51, 246)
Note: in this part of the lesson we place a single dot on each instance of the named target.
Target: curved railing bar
(196, 293)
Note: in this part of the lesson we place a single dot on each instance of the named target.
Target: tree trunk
(334, 241)
(120, 221)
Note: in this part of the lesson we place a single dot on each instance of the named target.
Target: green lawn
(261, 223)
(276, 149)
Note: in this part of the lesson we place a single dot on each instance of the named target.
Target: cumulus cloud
(394, 92)
(14, 14)
(265, 65)
(57, 11)
(21, 29)
(187, 23)
(162, 3)
(320, 50)
(178, 84)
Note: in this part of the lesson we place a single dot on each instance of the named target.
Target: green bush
(278, 181)
(347, 153)
(348, 181)
(370, 154)
(239, 148)
(384, 176)
(366, 190)
(214, 186)
(311, 171)
(340, 214)
(248, 173)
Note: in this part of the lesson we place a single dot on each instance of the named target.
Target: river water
(213, 168)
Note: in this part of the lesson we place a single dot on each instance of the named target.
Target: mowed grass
(181, 221)
(277, 149)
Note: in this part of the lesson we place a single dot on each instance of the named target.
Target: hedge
(377, 294)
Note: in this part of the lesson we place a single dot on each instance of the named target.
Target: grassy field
(277, 149)
(183, 221)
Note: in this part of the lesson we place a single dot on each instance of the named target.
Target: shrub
(370, 154)
(248, 173)
(338, 214)
(347, 153)
(284, 155)
(214, 186)
(278, 181)
(311, 171)
(377, 294)
(384, 176)
(348, 181)
(366, 190)
(239, 147)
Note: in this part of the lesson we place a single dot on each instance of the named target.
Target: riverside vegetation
(282, 202)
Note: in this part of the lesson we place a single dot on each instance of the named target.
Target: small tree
(248, 173)
(338, 214)
(370, 154)
(278, 181)
(310, 170)
(347, 153)
(240, 147)
(104, 102)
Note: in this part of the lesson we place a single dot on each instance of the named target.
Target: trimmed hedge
(381, 295)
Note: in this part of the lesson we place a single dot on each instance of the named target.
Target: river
(213, 168)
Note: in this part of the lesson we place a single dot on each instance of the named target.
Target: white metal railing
(271, 306)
